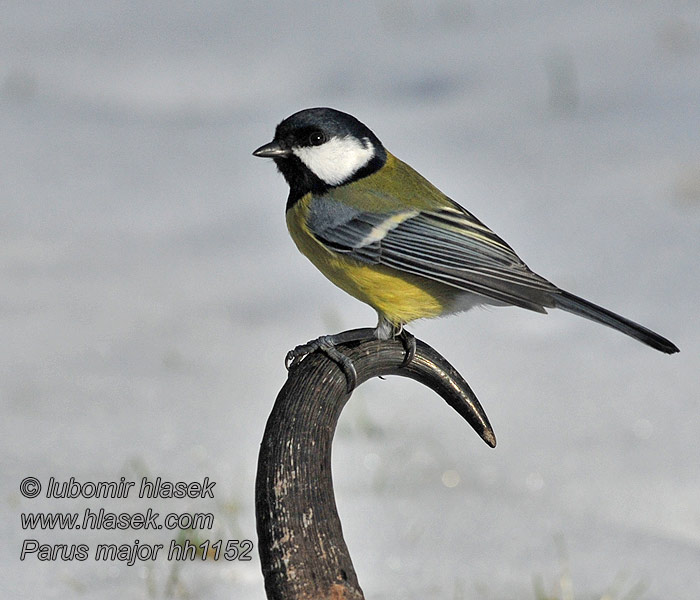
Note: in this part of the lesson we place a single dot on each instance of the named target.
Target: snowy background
(150, 290)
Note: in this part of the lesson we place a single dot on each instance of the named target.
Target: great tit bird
(387, 236)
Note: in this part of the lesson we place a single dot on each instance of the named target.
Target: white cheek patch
(337, 160)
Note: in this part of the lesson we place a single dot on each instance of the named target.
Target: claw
(344, 363)
(409, 345)
(295, 356)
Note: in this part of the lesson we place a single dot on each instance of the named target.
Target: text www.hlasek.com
(102, 519)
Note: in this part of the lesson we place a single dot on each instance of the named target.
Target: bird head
(319, 148)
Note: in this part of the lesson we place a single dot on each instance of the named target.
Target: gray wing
(448, 245)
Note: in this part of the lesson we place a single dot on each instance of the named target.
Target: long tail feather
(584, 308)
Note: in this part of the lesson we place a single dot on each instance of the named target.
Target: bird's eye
(317, 138)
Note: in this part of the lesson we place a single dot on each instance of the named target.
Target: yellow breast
(399, 297)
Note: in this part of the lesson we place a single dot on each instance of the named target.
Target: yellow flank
(399, 297)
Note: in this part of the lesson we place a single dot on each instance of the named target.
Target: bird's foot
(387, 330)
(327, 344)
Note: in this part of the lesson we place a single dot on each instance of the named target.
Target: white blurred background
(150, 290)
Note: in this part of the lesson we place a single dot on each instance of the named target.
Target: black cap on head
(332, 122)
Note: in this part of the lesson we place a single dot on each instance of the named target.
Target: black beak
(272, 150)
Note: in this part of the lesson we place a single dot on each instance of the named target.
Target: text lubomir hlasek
(157, 488)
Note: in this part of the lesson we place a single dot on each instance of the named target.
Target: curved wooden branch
(300, 540)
